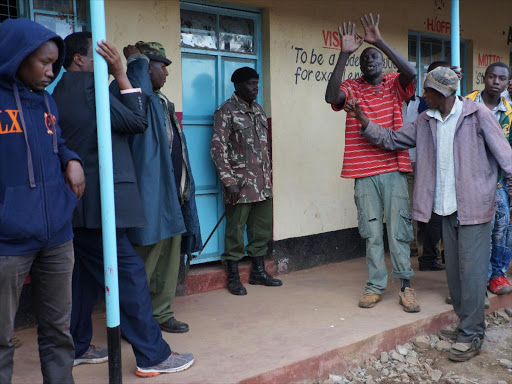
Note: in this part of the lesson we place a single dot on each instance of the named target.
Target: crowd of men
(50, 212)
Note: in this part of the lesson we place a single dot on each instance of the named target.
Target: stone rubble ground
(424, 361)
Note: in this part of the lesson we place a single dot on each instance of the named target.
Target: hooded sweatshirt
(36, 206)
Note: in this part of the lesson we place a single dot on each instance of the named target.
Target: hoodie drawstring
(54, 130)
(30, 165)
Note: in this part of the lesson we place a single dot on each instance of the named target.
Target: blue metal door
(215, 42)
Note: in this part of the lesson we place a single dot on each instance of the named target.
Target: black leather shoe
(259, 276)
(235, 286)
(174, 326)
(435, 266)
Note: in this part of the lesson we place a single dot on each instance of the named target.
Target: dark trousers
(432, 238)
(258, 219)
(51, 270)
(467, 260)
(137, 322)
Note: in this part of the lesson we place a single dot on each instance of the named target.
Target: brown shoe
(369, 300)
(408, 300)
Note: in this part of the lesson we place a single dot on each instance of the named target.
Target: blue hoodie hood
(18, 39)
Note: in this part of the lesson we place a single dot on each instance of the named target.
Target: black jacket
(74, 96)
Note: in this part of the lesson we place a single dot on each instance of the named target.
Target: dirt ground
(424, 360)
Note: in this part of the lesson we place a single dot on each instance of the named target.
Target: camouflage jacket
(240, 149)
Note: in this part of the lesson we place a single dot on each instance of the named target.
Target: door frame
(233, 11)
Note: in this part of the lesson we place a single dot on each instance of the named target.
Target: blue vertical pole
(108, 220)
(455, 37)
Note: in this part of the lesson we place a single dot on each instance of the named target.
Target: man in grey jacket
(459, 146)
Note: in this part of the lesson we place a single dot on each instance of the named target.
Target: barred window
(8, 10)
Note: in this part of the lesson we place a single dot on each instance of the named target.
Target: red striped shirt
(382, 104)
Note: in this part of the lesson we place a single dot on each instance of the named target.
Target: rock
(377, 365)
(505, 363)
(435, 375)
(385, 372)
(503, 314)
(384, 357)
(396, 356)
(405, 378)
(502, 382)
(335, 379)
(402, 350)
(443, 345)
(421, 342)
(508, 311)
(449, 381)
(411, 359)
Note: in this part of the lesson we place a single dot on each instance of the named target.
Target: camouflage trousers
(257, 217)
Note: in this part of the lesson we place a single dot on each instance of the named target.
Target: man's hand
(371, 29)
(349, 43)
(110, 54)
(130, 50)
(457, 71)
(115, 65)
(232, 194)
(75, 178)
(353, 108)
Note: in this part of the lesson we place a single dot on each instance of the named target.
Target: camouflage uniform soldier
(240, 152)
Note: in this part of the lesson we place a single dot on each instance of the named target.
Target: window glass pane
(198, 30)
(413, 43)
(81, 10)
(8, 10)
(55, 23)
(62, 6)
(236, 34)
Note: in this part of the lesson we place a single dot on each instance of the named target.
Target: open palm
(371, 28)
(350, 40)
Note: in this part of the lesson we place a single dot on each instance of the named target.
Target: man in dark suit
(75, 97)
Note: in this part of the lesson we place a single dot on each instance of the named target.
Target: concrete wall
(308, 138)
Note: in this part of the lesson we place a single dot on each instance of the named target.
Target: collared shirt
(506, 94)
(498, 110)
(445, 197)
(382, 103)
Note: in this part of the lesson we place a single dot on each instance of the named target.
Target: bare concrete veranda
(308, 328)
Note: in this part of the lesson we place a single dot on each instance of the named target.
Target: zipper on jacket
(43, 186)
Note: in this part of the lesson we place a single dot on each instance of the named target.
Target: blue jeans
(501, 237)
(137, 322)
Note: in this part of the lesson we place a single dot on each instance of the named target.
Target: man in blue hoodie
(40, 182)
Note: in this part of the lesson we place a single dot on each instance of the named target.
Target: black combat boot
(234, 285)
(259, 276)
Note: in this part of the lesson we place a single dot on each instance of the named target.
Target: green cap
(153, 50)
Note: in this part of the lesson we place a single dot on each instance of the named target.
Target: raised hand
(371, 29)
(110, 54)
(350, 40)
(115, 64)
(130, 50)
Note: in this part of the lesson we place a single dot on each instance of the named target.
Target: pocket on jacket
(21, 214)
(404, 230)
(61, 204)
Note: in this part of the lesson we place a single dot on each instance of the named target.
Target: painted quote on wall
(315, 64)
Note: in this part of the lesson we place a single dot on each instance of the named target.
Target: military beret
(244, 74)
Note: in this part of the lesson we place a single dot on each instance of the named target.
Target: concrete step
(209, 277)
(306, 329)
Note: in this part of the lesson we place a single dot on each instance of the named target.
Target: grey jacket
(479, 147)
